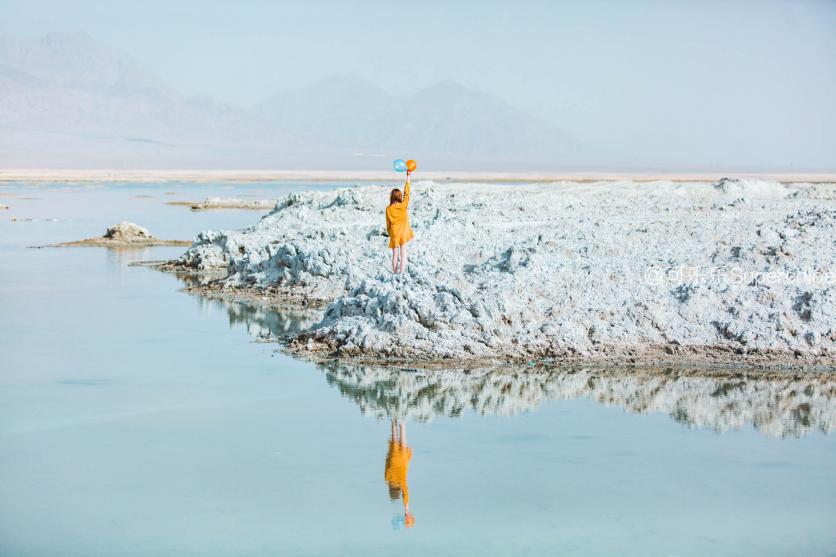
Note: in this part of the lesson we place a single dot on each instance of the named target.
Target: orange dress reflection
(397, 467)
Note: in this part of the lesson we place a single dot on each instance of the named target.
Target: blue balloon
(400, 165)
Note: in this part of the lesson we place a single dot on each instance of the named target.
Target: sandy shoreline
(129, 176)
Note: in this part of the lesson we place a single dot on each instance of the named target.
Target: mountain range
(69, 101)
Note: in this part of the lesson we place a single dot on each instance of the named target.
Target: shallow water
(139, 420)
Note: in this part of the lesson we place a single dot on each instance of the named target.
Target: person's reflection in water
(397, 466)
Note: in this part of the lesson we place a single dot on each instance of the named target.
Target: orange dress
(397, 221)
(397, 466)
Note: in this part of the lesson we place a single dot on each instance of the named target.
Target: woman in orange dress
(397, 224)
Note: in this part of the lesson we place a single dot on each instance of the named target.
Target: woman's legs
(394, 260)
(403, 258)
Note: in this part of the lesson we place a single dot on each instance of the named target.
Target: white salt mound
(737, 269)
(124, 234)
(128, 232)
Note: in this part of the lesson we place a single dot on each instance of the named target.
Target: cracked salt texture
(740, 270)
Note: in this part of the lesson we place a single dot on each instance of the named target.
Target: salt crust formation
(738, 271)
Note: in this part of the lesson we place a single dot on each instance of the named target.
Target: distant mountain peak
(348, 112)
(77, 60)
(450, 86)
(63, 38)
(342, 78)
(447, 90)
(339, 84)
(82, 100)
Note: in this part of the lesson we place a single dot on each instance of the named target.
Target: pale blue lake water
(139, 420)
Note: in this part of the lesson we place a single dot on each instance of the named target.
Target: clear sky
(757, 78)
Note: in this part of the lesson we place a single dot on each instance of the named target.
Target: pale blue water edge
(139, 420)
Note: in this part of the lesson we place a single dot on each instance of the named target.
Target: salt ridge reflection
(776, 404)
(263, 323)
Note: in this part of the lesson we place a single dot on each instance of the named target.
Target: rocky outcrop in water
(125, 234)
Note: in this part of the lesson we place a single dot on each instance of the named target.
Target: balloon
(411, 165)
(399, 165)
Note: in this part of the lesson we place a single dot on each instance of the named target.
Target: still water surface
(136, 420)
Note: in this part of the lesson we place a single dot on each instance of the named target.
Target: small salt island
(123, 235)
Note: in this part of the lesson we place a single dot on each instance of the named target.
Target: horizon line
(251, 175)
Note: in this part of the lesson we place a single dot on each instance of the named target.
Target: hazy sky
(756, 77)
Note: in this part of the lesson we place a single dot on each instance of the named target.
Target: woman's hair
(395, 197)
(394, 492)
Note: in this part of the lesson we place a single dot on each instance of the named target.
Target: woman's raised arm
(406, 189)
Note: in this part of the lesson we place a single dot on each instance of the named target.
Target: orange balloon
(411, 165)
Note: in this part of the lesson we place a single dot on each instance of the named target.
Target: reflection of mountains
(774, 403)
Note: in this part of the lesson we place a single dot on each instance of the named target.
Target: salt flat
(264, 175)
(728, 272)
